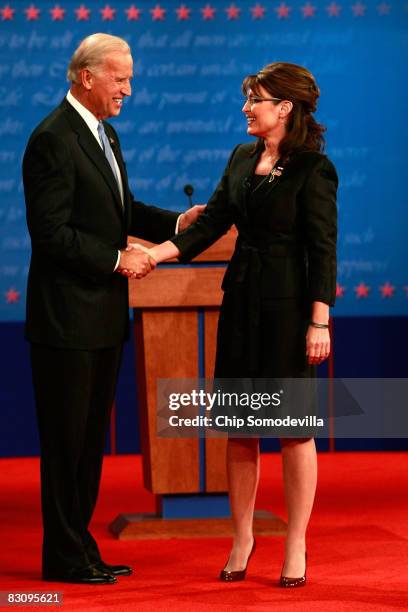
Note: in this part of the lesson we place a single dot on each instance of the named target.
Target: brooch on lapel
(275, 172)
(268, 178)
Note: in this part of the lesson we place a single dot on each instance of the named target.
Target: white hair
(91, 53)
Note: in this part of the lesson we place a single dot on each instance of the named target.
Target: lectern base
(151, 526)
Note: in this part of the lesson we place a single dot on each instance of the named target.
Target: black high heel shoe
(237, 575)
(288, 583)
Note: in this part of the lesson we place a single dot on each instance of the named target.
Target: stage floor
(357, 543)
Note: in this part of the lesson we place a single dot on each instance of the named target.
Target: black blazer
(290, 241)
(77, 224)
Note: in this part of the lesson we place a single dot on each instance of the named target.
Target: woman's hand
(317, 345)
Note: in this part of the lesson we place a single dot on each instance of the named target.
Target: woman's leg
(243, 476)
(299, 462)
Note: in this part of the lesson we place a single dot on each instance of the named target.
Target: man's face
(110, 83)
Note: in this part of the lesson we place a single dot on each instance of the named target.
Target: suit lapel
(269, 194)
(87, 142)
(244, 174)
(118, 156)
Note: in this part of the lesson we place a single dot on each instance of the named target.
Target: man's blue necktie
(107, 150)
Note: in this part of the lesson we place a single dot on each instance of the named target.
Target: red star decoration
(340, 290)
(333, 9)
(158, 13)
(258, 11)
(82, 13)
(107, 13)
(358, 9)
(7, 13)
(32, 13)
(12, 296)
(57, 13)
(383, 9)
(208, 12)
(362, 290)
(308, 10)
(283, 11)
(133, 13)
(233, 11)
(183, 13)
(387, 290)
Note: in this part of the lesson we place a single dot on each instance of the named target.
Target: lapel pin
(275, 172)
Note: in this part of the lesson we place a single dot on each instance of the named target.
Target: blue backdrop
(185, 116)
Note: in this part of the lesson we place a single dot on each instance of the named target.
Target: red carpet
(357, 545)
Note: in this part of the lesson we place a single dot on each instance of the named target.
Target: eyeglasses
(251, 100)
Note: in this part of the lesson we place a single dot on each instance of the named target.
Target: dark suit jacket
(77, 224)
(289, 242)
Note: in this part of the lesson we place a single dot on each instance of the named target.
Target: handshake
(136, 261)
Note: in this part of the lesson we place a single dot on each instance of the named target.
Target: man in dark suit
(79, 214)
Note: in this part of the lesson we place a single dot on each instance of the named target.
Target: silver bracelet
(319, 325)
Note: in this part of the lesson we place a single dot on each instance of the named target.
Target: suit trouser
(74, 391)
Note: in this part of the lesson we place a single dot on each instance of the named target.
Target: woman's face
(262, 114)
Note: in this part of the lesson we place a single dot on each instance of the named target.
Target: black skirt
(281, 374)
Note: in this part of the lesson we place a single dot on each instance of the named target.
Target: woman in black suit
(281, 195)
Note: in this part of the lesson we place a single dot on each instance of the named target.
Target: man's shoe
(86, 575)
(114, 570)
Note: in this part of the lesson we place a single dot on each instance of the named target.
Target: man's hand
(190, 216)
(135, 261)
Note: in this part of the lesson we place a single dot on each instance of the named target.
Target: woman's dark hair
(295, 83)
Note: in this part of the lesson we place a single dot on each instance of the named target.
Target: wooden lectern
(175, 320)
